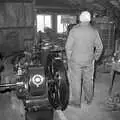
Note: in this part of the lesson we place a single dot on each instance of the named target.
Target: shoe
(88, 101)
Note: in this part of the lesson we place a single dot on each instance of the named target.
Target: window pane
(43, 21)
(48, 21)
(40, 22)
(59, 24)
(63, 21)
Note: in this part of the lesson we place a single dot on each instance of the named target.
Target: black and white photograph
(59, 59)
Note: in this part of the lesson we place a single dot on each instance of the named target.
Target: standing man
(83, 47)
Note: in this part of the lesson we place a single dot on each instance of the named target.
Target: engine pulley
(58, 87)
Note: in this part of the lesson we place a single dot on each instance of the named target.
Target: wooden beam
(46, 9)
(55, 7)
(15, 1)
(22, 27)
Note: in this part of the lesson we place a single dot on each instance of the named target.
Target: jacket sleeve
(98, 46)
(69, 44)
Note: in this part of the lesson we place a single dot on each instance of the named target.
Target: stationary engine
(40, 86)
(33, 92)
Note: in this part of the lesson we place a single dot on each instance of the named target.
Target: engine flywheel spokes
(59, 92)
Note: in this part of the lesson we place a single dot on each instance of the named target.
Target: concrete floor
(96, 111)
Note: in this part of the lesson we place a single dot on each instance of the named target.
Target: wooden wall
(16, 25)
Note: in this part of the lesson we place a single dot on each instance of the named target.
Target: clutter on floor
(113, 102)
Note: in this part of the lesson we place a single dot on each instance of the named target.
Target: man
(83, 47)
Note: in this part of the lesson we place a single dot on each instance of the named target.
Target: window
(43, 21)
(60, 26)
(63, 21)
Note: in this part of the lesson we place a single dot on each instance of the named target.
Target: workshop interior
(33, 63)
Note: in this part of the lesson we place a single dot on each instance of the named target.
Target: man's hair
(85, 16)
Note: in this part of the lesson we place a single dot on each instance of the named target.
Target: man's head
(85, 16)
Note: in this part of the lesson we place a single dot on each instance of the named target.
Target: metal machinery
(115, 68)
(41, 85)
(106, 27)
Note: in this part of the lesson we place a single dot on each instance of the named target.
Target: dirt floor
(98, 110)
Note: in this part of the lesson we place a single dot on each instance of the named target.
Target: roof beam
(15, 1)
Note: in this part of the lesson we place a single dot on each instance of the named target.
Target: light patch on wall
(115, 3)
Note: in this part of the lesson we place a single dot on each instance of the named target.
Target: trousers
(80, 77)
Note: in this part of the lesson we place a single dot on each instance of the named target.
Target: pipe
(12, 84)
